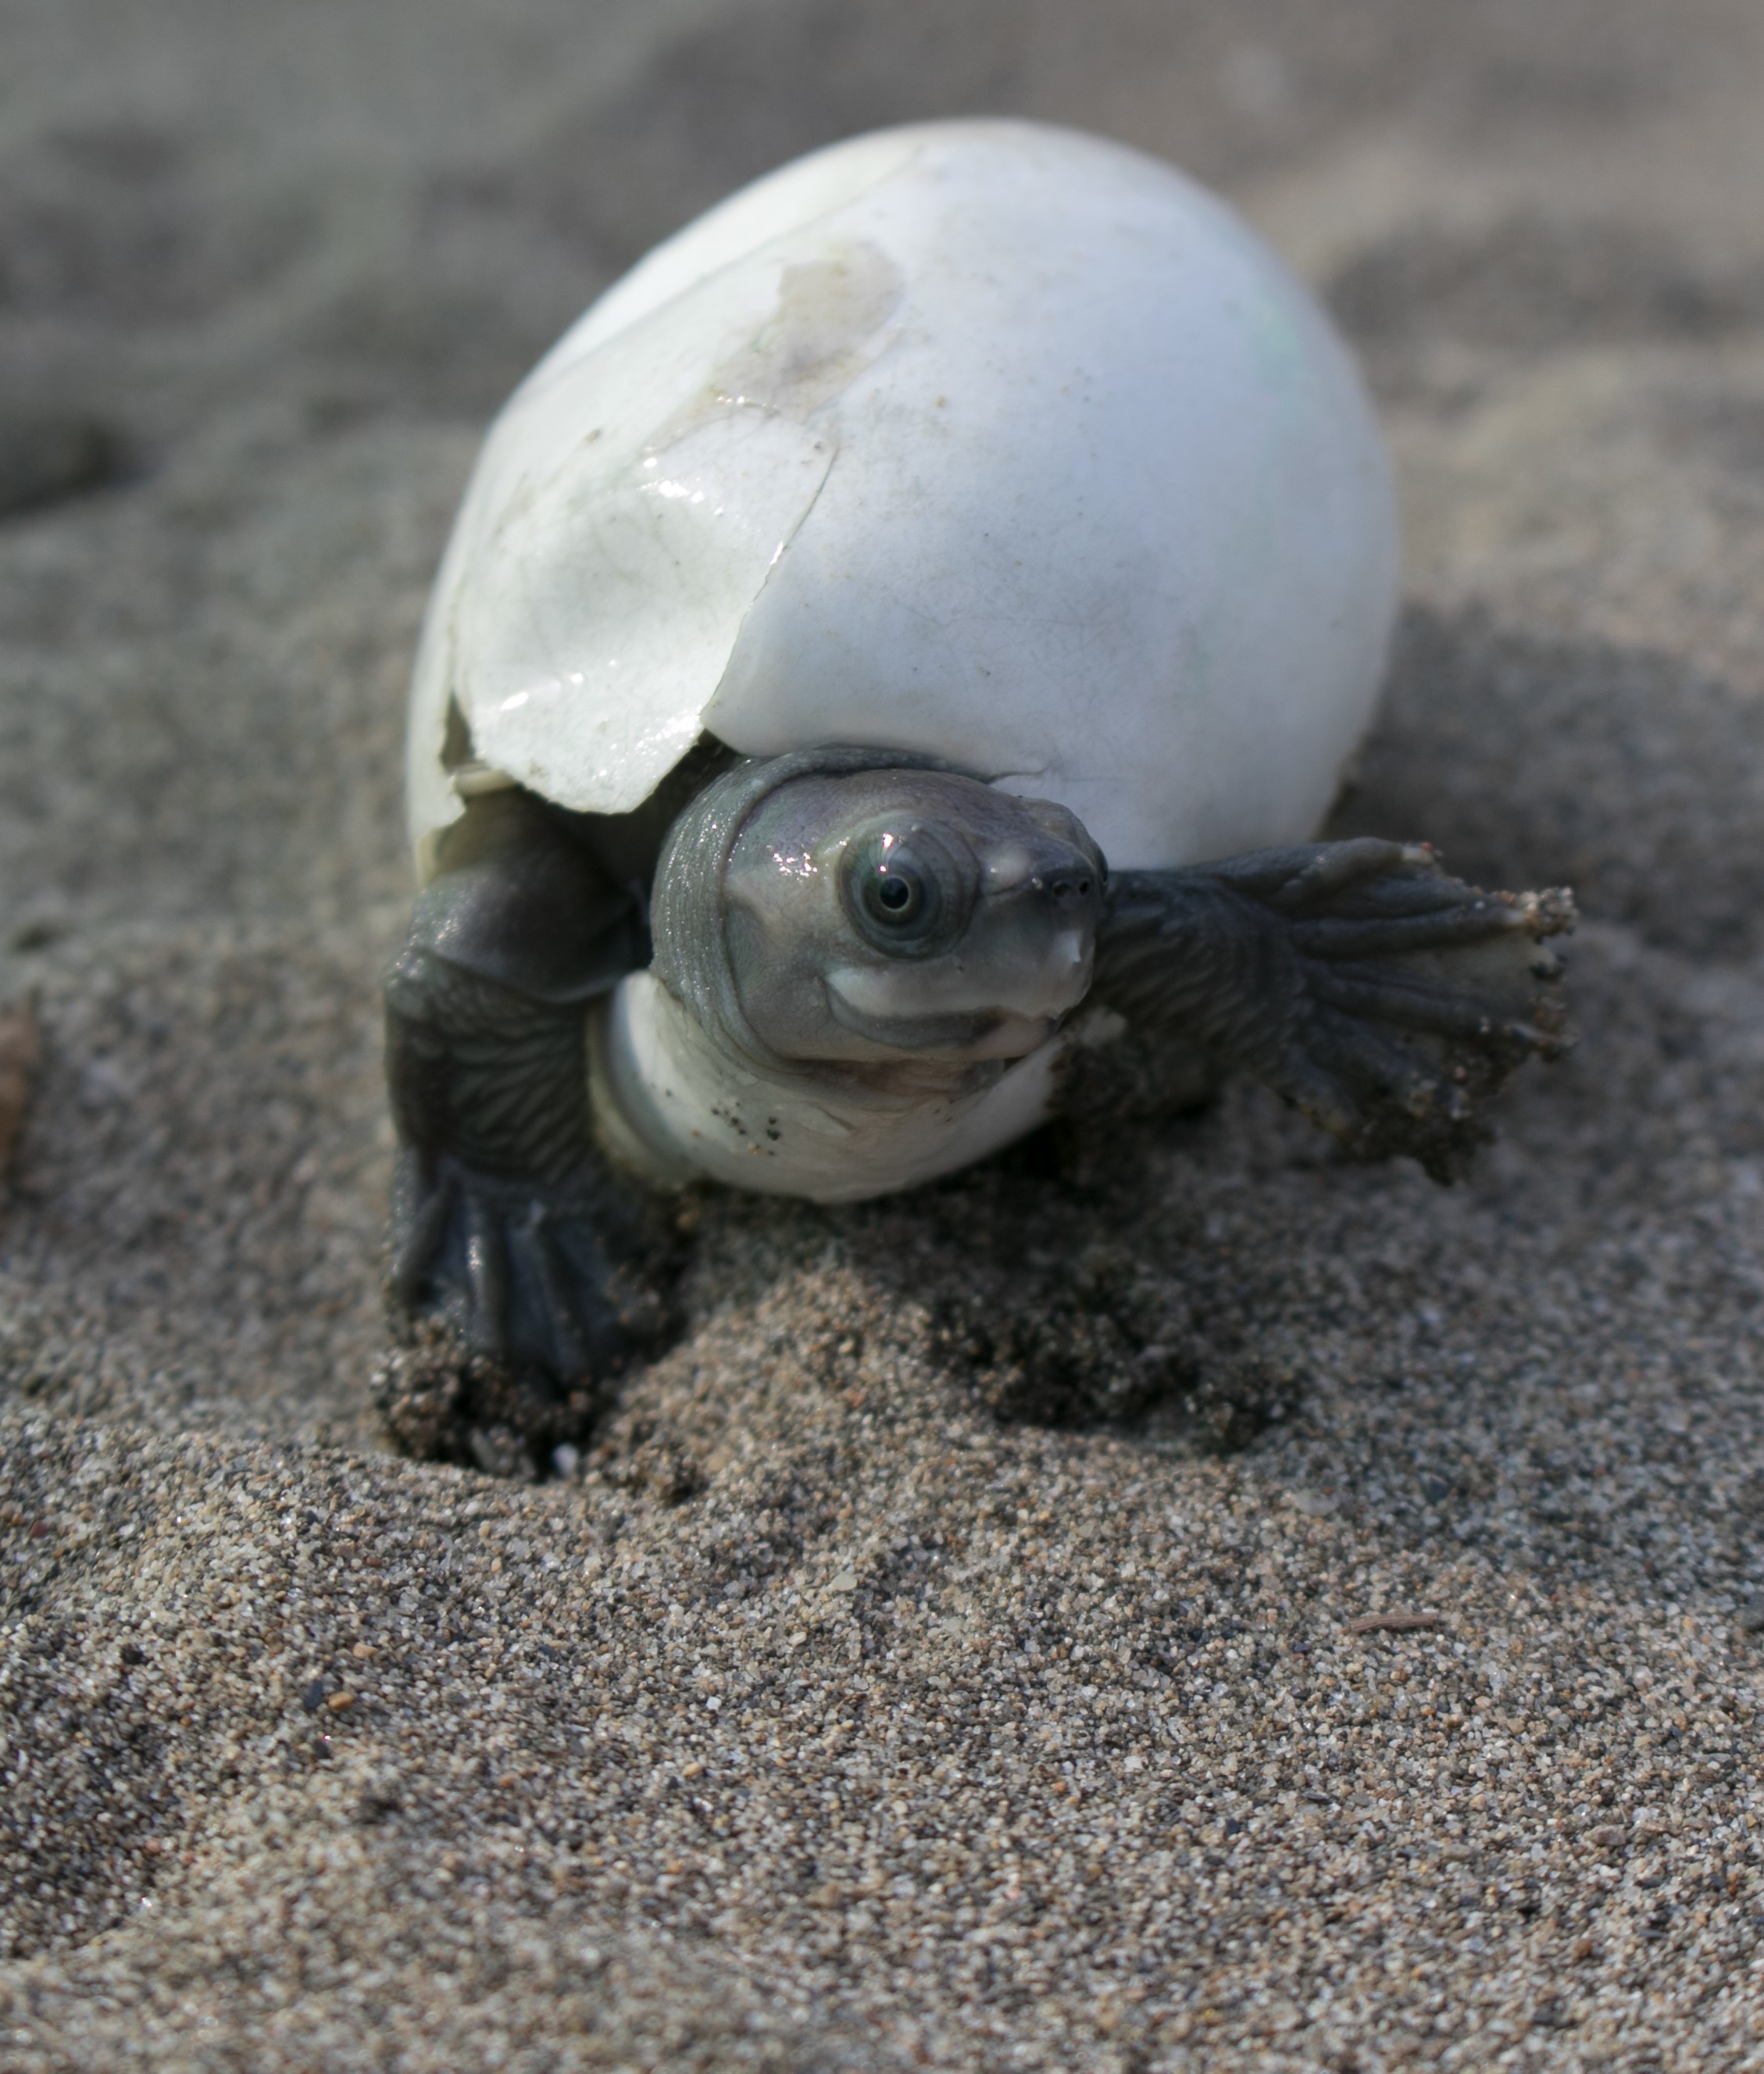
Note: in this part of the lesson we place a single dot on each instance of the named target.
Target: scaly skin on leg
(1383, 998)
(513, 1241)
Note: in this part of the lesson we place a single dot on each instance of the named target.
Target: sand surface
(947, 1658)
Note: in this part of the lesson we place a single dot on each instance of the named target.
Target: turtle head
(882, 915)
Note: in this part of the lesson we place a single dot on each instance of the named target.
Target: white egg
(983, 439)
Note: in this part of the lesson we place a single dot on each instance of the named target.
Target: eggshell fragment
(982, 440)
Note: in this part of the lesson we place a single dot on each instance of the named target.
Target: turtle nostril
(1062, 880)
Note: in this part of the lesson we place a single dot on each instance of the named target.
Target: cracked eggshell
(984, 440)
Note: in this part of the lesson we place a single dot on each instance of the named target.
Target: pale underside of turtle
(862, 637)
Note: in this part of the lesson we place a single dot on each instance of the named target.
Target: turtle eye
(895, 895)
(905, 893)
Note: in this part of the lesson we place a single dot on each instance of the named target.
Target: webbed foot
(515, 1309)
(1385, 998)
(542, 1277)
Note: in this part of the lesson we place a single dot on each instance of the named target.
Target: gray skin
(945, 929)
(907, 929)
(958, 925)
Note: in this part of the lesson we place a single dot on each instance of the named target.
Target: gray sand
(946, 1656)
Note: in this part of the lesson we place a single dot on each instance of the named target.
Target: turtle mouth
(983, 1034)
(953, 1010)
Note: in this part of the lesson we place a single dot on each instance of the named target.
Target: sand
(953, 1653)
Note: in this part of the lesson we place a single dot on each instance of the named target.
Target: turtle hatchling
(890, 663)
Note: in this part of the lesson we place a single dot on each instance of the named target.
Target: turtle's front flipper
(1384, 998)
(508, 1225)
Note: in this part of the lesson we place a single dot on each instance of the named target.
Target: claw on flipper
(1387, 1000)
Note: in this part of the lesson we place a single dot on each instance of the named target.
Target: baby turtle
(863, 636)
